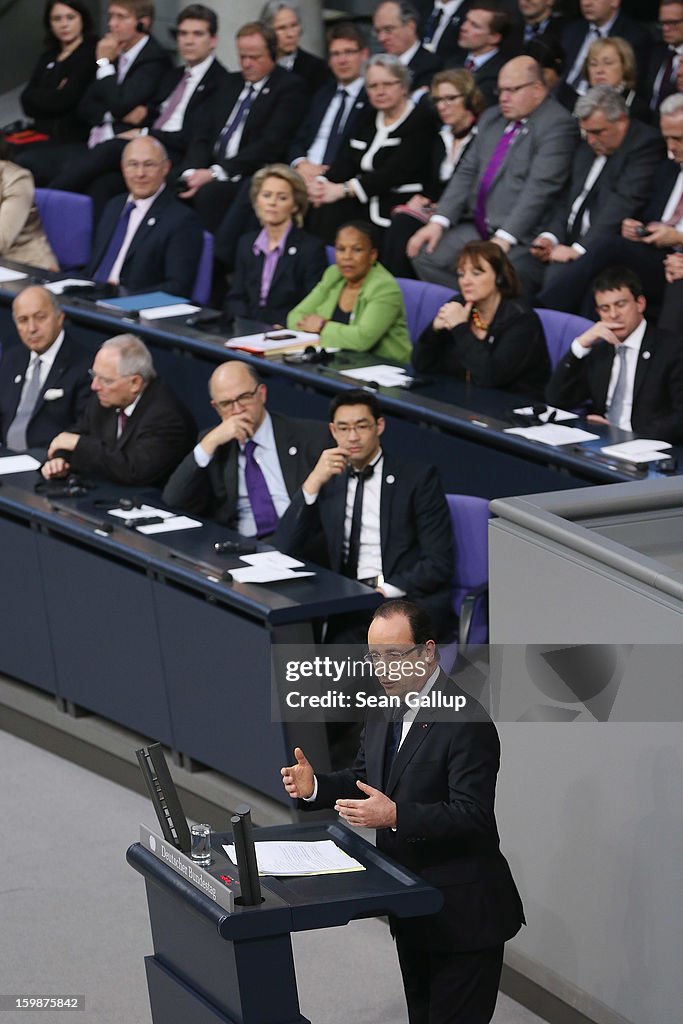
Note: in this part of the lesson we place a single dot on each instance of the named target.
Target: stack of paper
(274, 343)
(17, 464)
(290, 858)
(558, 415)
(169, 524)
(268, 567)
(385, 375)
(553, 433)
(639, 451)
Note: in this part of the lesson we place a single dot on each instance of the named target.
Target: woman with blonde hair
(276, 266)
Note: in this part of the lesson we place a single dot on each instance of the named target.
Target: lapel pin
(17, 379)
(264, 92)
(645, 355)
(391, 479)
(292, 250)
(200, 87)
(293, 450)
(151, 222)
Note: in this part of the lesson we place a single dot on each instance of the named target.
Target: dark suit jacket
(312, 70)
(272, 118)
(658, 59)
(55, 88)
(658, 389)
(662, 187)
(423, 67)
(212, 492)
(137, 88)
(415, 530)
(305, 136)
(165, 250)
(486, 76)
(298, 271)
(626, 28)
(512, 357)
(202, 99)
(69, 374)
(443, 782)
(447, 46)
(621, 191)
(403, 160)
(157, 436)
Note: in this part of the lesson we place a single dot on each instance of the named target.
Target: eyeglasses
(447, 99)
(336, 54)
(245, 398)
(107, 382)
(513, 88)
(362, 427)
(375, 657)
(146, 165)
(670, 23)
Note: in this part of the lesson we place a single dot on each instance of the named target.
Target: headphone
(500, 280)
(141, 27)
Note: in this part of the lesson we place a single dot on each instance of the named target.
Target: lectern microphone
(245, 852)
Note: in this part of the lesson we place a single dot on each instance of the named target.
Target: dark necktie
(350, 566)
(16, 433)
(499, 154)
(122, 421)
(393, 740)
(432, 24)
(115, 242)
(236, 119)
(174, 101)
(667, 86)
(334, 139)
(470, 64)
(262, 506)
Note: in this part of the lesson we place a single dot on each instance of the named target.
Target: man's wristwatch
(347, 189)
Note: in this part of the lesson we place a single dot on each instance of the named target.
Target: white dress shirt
(175, 121)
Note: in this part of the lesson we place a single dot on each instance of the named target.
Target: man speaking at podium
(427, 783)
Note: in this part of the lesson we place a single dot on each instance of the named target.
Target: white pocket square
(52, 394)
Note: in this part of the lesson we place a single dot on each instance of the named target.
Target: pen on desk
(477, 423)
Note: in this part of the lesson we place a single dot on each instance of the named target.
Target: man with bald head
(44, 381)
(147, 240)
(243, 471)
(508, 181)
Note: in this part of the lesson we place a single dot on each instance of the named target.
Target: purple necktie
(115, 242)
(174, 101)
(499, 153)
(262, 506)
(234, 121)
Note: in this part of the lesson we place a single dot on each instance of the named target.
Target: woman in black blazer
(284, 18)
(458, 102)
(62, 73)
(485, 334)
(386, 159)
(263, 291)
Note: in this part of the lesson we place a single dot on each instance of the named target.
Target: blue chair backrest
(67, 218)
(423, 301)
(469, 520)
(560, 329)
(201, 292)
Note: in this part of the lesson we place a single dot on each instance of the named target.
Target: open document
(290, 858)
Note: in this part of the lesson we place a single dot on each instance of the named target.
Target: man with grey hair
(147, 240)
(395, 23)
(611, 177)
(43, 381)
(284, 18)
(647, 236)
(134, 430)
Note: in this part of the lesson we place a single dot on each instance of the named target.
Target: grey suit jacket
(529, 180)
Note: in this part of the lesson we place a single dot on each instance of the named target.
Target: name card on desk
(187, 869)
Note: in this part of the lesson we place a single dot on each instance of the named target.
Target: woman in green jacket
(357, 304)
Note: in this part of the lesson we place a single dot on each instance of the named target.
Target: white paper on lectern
(639, 450)
(383, 373)
(290, 858)
(560, 414)
(143, 512)
(7, 274)
(170, 525)
(266, 573)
